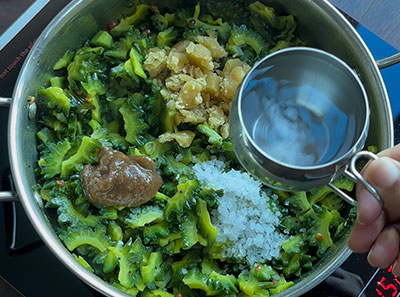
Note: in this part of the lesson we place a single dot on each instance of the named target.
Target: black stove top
(28, 265)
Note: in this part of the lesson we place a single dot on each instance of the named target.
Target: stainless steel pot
(320, 25)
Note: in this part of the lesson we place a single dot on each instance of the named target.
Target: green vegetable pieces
(158, 83)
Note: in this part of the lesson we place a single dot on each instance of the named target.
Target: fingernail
(358, 219)
(367, 196)
(392, 172)
(370, 253)
(395, 268)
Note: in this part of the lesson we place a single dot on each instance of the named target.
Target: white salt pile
(246, 218)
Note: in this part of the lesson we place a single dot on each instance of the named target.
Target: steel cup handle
(356, 176)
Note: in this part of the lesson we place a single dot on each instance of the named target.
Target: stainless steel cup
(287, 83)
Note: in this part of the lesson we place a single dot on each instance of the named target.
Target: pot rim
(32, 206)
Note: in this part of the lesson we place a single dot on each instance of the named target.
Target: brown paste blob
(120, 180)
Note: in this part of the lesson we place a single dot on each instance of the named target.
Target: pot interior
(81, 19)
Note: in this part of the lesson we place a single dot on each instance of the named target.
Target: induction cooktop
(28, 268)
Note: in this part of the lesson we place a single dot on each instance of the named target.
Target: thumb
(384, 175)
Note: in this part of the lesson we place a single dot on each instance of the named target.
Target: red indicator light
(388, 287)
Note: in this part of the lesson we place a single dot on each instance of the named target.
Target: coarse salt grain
(246, 217)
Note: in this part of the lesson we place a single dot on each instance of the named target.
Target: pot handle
(389, 61)
(5, 101)
(7, 196)
(356, 176)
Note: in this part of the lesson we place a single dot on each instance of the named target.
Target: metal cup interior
(304, 113)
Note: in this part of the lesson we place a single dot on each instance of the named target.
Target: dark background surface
(36, 272)
(379, 16)
(10, 10)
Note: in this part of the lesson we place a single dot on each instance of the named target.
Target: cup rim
(352, 150)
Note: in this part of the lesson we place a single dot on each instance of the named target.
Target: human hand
(377, 230)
